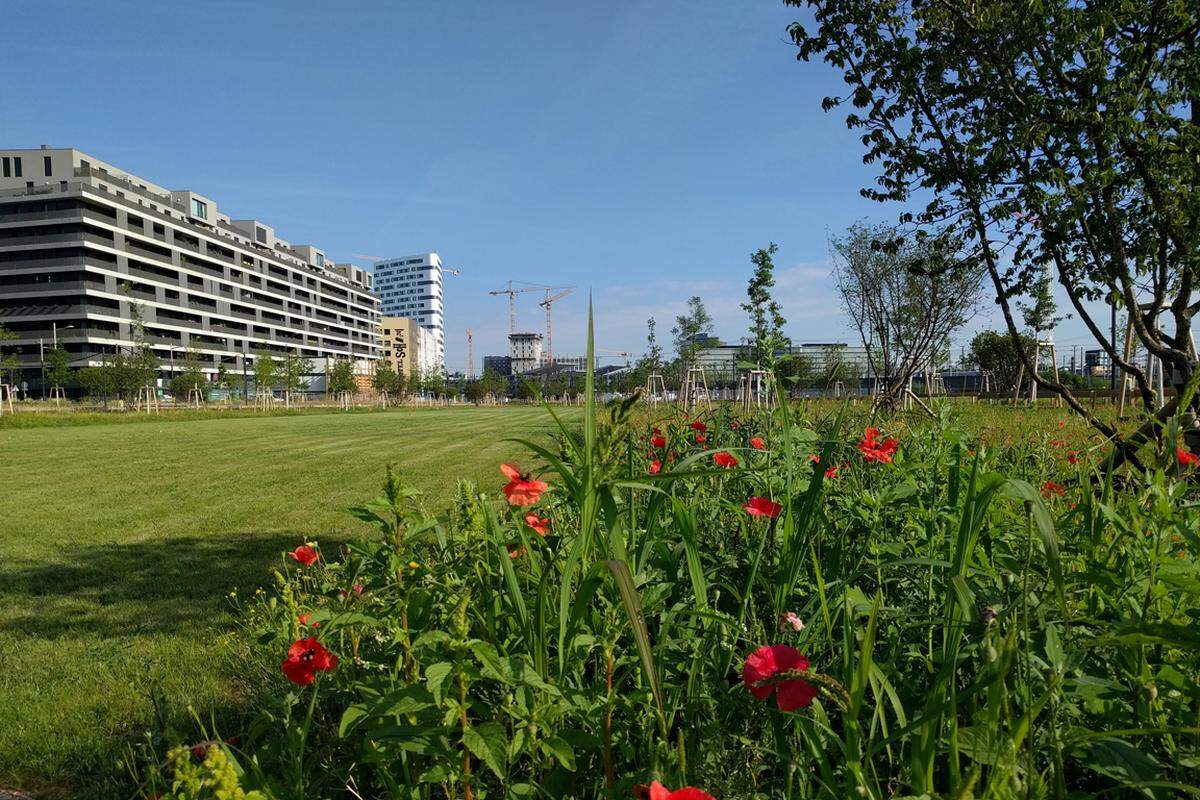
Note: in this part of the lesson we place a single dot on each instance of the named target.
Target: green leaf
(351, 717)
(559, 748)
(1185, 637)
(485, 653)
(487, 743)
(435, 677)
(633, 609)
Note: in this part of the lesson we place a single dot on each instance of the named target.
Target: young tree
(386, 379)
(654, 352)
(1066, 133)
(766, 317)
(994, 353)
(493, 383)
(10, 364)
(905, 297)
(96, 382)
(58, 366)
(433, 382)
(292, 372)
(191, 378)
(341, 376)
(230, 382)
(266, 372)
(690, 328)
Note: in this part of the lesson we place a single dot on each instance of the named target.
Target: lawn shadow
(155, 586)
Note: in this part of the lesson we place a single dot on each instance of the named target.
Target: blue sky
(639, 150)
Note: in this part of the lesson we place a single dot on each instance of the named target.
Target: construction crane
(614, 354)
(546, 304)
(512, 292)
(470, 356)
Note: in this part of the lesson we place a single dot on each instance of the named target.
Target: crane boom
(512, 292)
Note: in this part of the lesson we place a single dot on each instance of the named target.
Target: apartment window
(199, 209)
(320, 259)
(260, 235)
(84, 163)
(16, 166)
(7, 166)
(46, 165)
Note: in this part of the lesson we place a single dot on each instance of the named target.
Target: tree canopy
(1058, 133)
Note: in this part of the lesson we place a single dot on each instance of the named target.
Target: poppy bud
(1150, 691)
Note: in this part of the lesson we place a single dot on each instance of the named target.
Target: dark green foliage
(766, 316)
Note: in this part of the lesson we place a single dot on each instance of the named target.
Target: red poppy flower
(660, 792)
(655, 467)
(1186, 457)
(304, 554)
(762, 507)
(1058, 442)
(814, 458)
(521, 489)
(833, 471)
(879, 452)
(305, 658)
(733, 426)
(701, 438)
(767, 662)
(539, 524)
(724, 459)
(516, 553)
(1051, 489)
(758, 444)
(699, 426)
(1072, 458)
(658, 440)
(304, 618)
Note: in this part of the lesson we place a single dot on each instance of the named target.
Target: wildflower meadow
(802, 602)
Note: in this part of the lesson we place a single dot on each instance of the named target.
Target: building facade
(409, 347)
(525, 350)
(91, 253)
(411, 287)
(501, 365)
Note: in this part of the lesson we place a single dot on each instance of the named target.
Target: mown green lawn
(120, 542)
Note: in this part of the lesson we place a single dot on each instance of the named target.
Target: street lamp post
(54, 329)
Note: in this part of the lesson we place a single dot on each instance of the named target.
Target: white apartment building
(411, 287)
(525, 350)
(90, 252)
